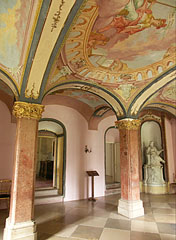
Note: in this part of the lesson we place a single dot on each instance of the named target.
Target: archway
(50, 164)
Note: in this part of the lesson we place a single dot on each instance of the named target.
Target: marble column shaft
(22, 193)
(129, 159)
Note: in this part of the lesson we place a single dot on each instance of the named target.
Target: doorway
(112, 158)
(46, 157)
(51, 156)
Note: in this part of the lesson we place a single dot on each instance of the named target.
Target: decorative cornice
(149, 117)
(128, 124)
(27, 110)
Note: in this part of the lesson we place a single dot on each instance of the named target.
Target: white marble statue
(153, 155)
(153, 169)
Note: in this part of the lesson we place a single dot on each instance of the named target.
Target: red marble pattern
(129, 164)
(22, 199)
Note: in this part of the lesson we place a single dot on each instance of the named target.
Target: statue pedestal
(153, 180)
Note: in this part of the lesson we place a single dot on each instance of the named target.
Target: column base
(131, 209)
(20, 231)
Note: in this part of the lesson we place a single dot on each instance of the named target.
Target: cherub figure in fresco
(135, 17)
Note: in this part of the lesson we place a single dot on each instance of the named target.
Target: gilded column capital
(27, 110)
(129, 124)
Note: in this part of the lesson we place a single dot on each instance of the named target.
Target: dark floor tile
(43, 236)
(168, 228)
(172, 205)
(118, 224)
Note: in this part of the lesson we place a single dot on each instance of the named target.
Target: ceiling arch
(140, 101)
(103, 93)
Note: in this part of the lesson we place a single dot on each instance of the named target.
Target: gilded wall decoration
(128, 124)
(27, 110)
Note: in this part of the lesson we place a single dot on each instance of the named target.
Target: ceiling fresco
(90, 99)
(120, 45)
(131, 34)
(14, 28)
(122, 51)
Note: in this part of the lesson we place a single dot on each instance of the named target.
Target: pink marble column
(20, 223)
(130, 204)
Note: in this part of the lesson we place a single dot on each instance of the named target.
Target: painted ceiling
(90, 99)
(120, 50)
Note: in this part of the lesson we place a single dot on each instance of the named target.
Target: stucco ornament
(27, 110)
(128, 124)
(64, 71)
(153, 169)
(126, 90)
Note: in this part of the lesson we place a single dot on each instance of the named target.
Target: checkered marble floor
(82, 220)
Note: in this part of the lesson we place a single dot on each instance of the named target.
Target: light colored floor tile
(167, 228)
(164, 218)
(67, 231)
(144, 226)
(114, 234)
(144, 236)
(167, 237)
(115, 215)
(160, 205)
(93, 221)
(87, 232)
(147, 217)
(164, 211)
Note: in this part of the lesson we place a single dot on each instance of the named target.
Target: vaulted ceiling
(102, 53)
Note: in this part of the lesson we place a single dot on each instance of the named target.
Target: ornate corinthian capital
(27, 110)
(129, 124)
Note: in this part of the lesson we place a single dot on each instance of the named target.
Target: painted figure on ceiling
(135, 17)
(129, 30)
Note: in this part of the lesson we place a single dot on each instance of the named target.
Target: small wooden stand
(92, 174)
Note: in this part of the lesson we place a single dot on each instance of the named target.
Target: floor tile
(144, 226)
(164, 218)
(67, 231)
(144, 236)
(93, 221)
(147, 217)
(118, 224)
(164, 211)
(173, 205)
(114, 234)
(167, 228)
(160, 205)
(115, 215)
(87, 232)
(167, 237)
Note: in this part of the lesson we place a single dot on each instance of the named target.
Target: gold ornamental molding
(128, 124)
(27, 110)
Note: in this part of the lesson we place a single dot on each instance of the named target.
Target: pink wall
(170, 127)
(7, 140)
(112, 135)
(77, 161)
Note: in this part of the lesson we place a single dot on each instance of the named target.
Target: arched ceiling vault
(122, 51)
